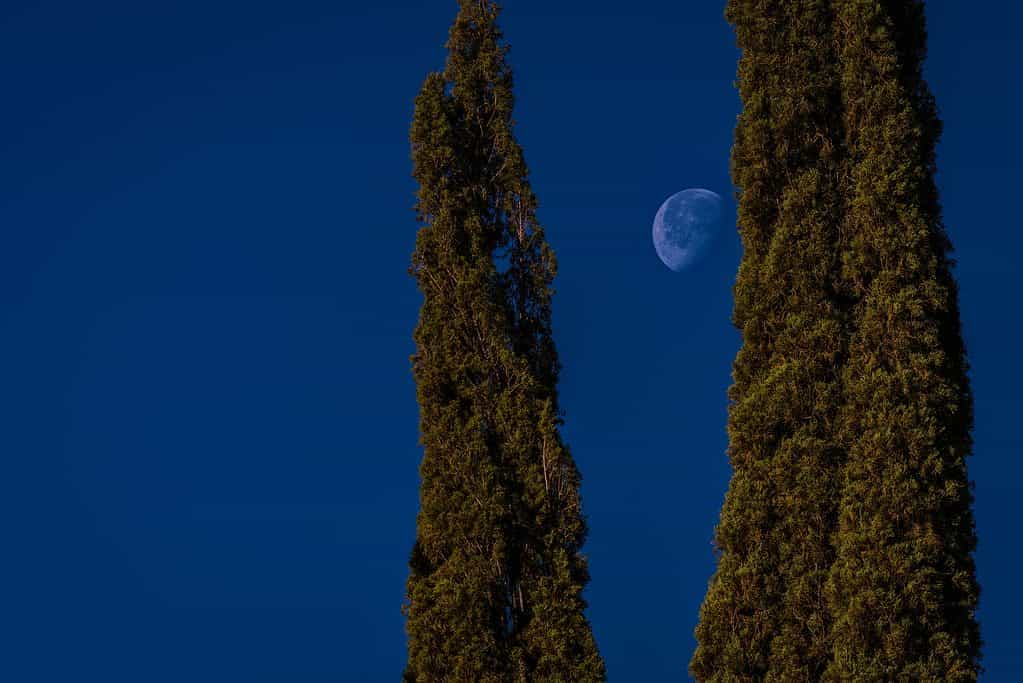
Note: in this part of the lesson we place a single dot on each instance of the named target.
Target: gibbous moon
(685, 226)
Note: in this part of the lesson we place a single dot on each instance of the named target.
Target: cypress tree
(903, 589)
(496, 573)
(764, 616)
(846, 536)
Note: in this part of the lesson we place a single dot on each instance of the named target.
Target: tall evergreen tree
(496, 572)
(903, 589)
(764, 617)
(846, 535)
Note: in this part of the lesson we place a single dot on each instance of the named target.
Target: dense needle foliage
(903, 589)
(846, 535)
(764, 617)
(496, 574)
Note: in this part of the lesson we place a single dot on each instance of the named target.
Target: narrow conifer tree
(764, 617)
(496, 573)
(903, 589)
(846, 537)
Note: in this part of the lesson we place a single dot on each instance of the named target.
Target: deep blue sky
(208, 423)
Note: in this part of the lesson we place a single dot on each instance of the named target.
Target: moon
(685, 227)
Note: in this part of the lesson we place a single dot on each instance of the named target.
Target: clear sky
(207, 420)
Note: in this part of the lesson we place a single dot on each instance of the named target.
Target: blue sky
(209, 424)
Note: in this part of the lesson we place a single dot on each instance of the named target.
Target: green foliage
(496, 573)
(903, 588)
(764, 617)
(846, 535)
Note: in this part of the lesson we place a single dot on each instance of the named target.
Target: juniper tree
(496, 574)
(903, 589)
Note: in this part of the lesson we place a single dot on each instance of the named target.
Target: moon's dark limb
(685, 227)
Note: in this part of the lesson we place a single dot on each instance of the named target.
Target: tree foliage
(903, 588)
(764, 617)
(846, 535)
(496, 573)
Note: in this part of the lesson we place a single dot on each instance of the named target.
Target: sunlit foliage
(496, 580)
(845, 540)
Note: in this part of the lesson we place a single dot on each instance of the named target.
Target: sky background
(207, 420)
